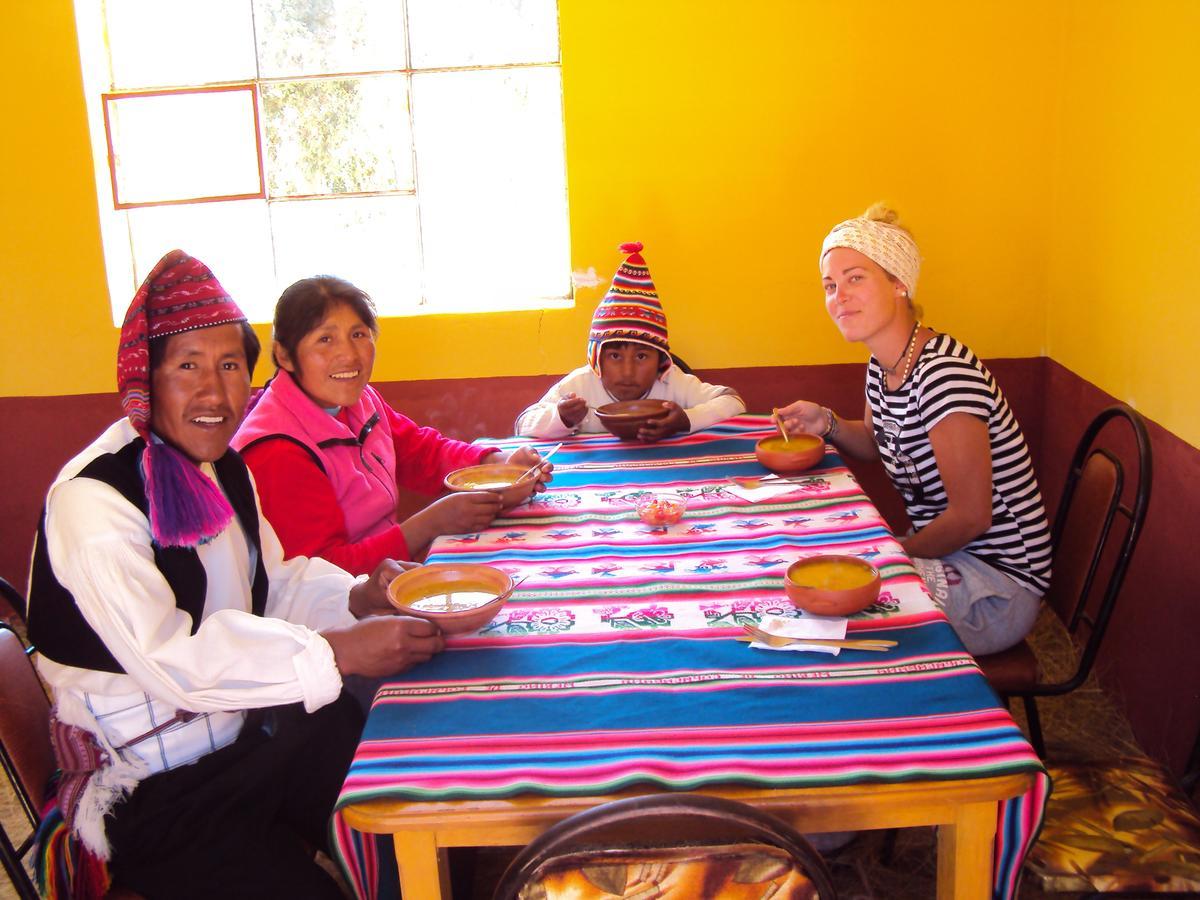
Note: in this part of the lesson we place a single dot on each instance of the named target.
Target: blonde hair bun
(881, 212)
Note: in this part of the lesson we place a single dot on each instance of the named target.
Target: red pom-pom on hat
(631, 247)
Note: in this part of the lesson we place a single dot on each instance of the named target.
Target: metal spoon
(537, 465)
(508, 593)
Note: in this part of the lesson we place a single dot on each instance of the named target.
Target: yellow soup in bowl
(798, 453)
(794, 444)
(832, 585)
(453, 601)
(457, 597)
(832, 575)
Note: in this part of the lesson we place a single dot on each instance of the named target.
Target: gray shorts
(988, 610)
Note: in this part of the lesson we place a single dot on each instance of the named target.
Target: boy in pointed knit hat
(629, 358)
(199, 715)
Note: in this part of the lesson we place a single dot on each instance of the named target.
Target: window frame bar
(250, 86)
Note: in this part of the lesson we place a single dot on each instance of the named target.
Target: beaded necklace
(906, 356)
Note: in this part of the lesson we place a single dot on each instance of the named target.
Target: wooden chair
(24, 751)
(27, 757)
(671, 846)
(1090, 561)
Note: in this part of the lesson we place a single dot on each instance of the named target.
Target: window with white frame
(414, 147)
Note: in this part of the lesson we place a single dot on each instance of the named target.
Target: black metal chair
(12, 597)
(628, 847)
(25, 751)
(1091, 557)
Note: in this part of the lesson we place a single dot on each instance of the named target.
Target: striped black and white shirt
(948, 378)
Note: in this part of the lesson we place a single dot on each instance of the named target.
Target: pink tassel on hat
(186, 507)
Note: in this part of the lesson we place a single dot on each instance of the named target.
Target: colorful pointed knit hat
(630, 311)
(180, 294)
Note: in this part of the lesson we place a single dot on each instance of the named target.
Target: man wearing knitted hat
(199, 720)
(629, 359)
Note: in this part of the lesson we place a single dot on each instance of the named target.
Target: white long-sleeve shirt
(99, 547)
(705, 404)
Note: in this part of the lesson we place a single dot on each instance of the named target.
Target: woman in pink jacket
(328, 453)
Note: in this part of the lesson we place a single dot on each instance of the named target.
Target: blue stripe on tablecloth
(702, 705)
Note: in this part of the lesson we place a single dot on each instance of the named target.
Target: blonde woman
(941, 426)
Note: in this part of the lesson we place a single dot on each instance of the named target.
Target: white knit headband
(886, 245)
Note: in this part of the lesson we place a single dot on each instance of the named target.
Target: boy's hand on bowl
(572, 409)
(665, 426)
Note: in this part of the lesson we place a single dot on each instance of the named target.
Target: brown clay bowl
(500, 478)
(832, 585)
(799, 453)
(427, 591)
(625, 417)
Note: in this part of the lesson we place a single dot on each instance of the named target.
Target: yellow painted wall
(53, 300)
(1122, 307)
(727, 138)
(1047, 162)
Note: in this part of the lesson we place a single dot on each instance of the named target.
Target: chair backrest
(24, 723)
(638, 830)
(1091, 548)
(25, 751)
(11, 599)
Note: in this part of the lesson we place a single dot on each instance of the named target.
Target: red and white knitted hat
(180, 294)
(630, 311)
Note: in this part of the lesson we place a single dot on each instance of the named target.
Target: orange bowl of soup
(832, 585)
(625, 417)
(457, 597)
(799, 453)
(499, 478)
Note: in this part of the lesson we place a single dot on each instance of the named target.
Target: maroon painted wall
(1148, 660)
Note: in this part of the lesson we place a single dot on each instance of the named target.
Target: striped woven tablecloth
(614, 665)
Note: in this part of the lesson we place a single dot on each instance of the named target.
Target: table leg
(965, 853)
(424, 869)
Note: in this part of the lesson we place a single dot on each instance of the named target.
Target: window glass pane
(232, 238)
(210, 140)
(492, 184)
(315, 37)
(371, 241)
(153, 43)
(337, 136)
(482, 32)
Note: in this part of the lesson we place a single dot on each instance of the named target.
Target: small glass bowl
(661, 510)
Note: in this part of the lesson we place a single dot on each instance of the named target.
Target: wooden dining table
(615, 670)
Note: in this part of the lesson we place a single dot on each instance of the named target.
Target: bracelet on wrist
(831, 426)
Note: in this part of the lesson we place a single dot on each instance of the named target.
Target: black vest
(56, 626)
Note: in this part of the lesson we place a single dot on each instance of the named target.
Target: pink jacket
(358, 457)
